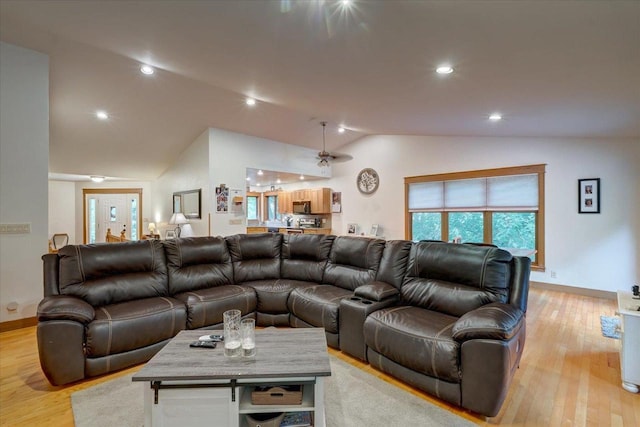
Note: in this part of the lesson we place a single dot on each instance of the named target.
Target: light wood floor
(569, 374)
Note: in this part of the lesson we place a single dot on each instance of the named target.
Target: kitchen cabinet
(285, 203)
(255, 230)
(301, 195)
(320, 199)
(317, 231)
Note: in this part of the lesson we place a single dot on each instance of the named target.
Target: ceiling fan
(325, 157)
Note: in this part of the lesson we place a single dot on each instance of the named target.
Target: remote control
(203, 344)
(215, 338)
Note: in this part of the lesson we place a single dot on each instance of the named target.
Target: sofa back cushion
(109, 273)
(304, 256)
(455, 279)
(393, 264)
(353, 261)
(255, 256)
(197, 263)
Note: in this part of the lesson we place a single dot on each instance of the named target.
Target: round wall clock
(368, 181)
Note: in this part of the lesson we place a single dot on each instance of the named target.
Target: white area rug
(353, 398)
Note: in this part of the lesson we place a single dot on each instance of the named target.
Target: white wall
(230, 154)
(24, 158)
(190, 171)
(62, 214)
(590, 251)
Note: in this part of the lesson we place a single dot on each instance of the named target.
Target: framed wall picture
(336, 202)
(374, 230)
(352, 228)
(589, 195)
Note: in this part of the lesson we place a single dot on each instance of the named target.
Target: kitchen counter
(289, 229)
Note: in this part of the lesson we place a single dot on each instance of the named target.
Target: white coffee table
(202, 387)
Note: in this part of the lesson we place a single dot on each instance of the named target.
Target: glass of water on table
(248, 330)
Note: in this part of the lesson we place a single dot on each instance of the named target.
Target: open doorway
(118, 209)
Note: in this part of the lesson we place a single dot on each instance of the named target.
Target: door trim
(86, 191)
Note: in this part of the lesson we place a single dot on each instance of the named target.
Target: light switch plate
(24, 228)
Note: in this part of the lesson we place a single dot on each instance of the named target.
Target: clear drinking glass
(248, 329)
(232, 334)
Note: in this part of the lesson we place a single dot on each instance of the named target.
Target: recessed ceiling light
(444, 69)
(250, 101)
(248, 178)
(102, 115)
(260, 172)
(258, 184)
(301, 177)
(495, 117)
(278, 181)
(147, 69)
(346, 2)
(96, 178)
(341, 129)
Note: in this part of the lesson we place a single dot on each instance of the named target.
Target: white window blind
(465, 193)
(426, 195)
(512, 192)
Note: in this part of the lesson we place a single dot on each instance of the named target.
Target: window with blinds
(513, 192)
(504, 207)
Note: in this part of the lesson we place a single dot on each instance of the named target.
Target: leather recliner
(353, 262)
(106, 308)
(458, 330)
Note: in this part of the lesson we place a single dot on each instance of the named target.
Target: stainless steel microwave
(301, 207)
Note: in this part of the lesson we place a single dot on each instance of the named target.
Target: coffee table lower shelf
(221, 404)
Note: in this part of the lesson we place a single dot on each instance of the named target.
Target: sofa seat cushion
(206, 306)
(135, 324)
(273, 294)
(418, 339)
(318, 305)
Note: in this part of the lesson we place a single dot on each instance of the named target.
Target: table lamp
(178, 219)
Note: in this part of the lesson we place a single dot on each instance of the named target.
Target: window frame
(258, 197)
(265, 208)
(538, 169)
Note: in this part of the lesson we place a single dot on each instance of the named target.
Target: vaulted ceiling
(551, 68)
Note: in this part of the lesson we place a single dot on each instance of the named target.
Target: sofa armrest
(62, 307)
(376, 291)
(492, 321)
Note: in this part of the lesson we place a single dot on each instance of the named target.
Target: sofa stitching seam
(80, 263)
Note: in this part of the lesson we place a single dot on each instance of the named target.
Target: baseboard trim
(593, 293)
(12, 325)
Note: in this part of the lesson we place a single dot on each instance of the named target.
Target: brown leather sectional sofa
(446, 318)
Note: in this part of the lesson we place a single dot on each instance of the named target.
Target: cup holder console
(353, 312)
